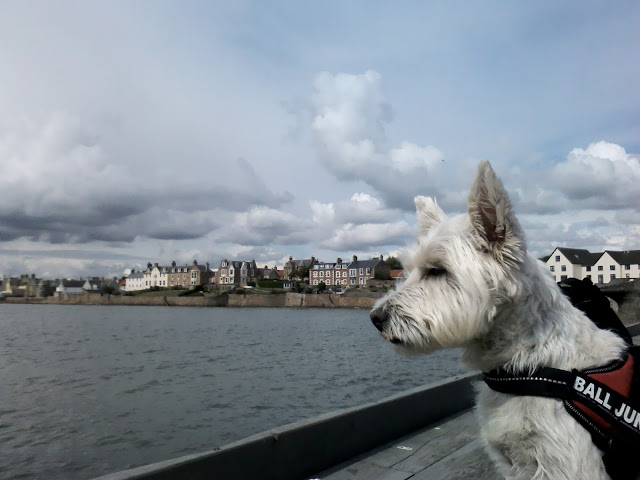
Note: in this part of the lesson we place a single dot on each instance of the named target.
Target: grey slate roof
(627, 257)
(365, 263)
(580, 256)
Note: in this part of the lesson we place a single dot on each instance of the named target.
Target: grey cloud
(60, 187)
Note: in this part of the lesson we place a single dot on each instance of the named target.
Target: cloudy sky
(158, 131)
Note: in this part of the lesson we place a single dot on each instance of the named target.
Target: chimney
(195, 262)
(381, 258)
(149, 265)
(355, 259)
(208, 266)
(173, 264)
(338, 260)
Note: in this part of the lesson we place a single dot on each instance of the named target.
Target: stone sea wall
(279, 300)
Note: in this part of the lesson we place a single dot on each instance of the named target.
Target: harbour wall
(299, 300)
(300, 449)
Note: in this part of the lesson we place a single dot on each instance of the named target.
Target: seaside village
(300, 275)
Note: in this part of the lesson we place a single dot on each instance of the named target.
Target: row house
(155, 276)
(601, 267)
(134, 282)
(25, 286)
(179, 275)
(236, 273)
(189, 276)
(356, 272)
(70, 287)
(185, 276)
(267, 273)
(200, 274)
(293, 266)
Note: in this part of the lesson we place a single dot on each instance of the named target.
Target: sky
(158, 131)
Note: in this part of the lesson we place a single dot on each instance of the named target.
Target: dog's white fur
(469, 282)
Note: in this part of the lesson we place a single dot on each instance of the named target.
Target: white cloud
(349, 120)
(352, 237)
(602, 176)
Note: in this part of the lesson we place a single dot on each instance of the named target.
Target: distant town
(303, 275)
(308, 275)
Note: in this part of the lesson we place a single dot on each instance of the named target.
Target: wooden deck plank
(366, 471)
(468, 463)
(456, 433)
(405, 447)
(415, 453)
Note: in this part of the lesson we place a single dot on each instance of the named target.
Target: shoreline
(284, 300)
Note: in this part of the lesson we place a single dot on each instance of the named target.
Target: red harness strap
(617, 379)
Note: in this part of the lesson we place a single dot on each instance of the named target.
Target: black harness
(604, 400)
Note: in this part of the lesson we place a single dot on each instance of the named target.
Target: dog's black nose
(378, 318)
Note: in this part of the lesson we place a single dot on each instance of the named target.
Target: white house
(135, 282)
(70, 287)
(601, 267)
(156, 276)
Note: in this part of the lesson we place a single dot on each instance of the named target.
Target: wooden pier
(447, 450)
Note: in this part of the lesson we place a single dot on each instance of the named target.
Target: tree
(394, 263)
(322, 287)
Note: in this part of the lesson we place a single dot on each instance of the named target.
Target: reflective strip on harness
(601, 395)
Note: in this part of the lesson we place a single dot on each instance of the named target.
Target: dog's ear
(428, 213)
(492, 217)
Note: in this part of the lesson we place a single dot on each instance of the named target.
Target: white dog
(470, 282)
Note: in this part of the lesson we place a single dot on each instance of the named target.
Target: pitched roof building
(600, 267)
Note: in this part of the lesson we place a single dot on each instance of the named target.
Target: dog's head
(457, 275)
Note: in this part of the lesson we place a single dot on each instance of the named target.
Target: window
(600, 268)
(557, 258)
(563, 277)
(322, 274)
(563, 268)
(612, 267)
(368, 271)
(553, 269)
(344, 274)
(352, 272)
(627, 275)
(627, 267)
(231, 271)
(361, 281)
(612, 276)
(589, 277)
(600, 279)
(360, 271)
(588, 268)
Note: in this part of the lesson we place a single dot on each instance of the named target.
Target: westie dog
(470, 283)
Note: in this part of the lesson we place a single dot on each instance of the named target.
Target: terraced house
(600, 267)
(356, 272)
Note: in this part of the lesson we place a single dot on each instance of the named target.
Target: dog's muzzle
(378, 318)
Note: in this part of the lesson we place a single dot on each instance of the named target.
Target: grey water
(88, 390)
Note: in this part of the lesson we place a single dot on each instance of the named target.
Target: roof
(627, 257)
(365, 263)
(72, 283)
(396, 273)
(135, 275)
(579, 256)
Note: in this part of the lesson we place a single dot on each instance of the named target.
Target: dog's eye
(435, 272)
